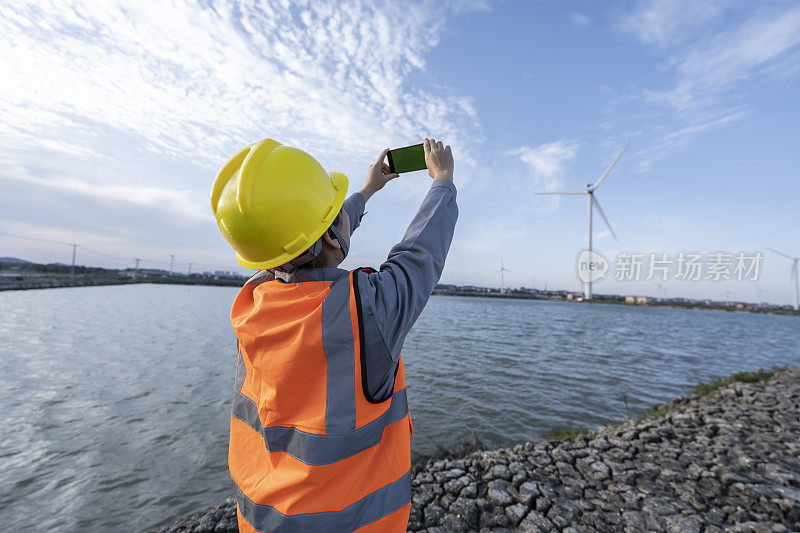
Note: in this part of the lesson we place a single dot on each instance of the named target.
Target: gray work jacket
(393, 298)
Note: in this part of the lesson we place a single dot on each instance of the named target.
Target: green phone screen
(407, 159)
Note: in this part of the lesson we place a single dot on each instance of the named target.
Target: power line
(171, 262)
(105, 254)
(35, 239)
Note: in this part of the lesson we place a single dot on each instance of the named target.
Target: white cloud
(708, 58)
(670, 141)
(713, 53)
(579, 19)
(546, 162)
(666, 23)
(734, 56)
(490, 235)
(177, 202)
(199, 81)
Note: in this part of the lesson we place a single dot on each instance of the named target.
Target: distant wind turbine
(795, 277)
(760, 293)
(502, 270)
(728, 295)
(593, 203)
(661, 290)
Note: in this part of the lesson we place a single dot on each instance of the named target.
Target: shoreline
(728, 460)
(9, 283)
(24, 283)
(512, 296)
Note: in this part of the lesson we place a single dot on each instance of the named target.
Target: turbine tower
(795, 277)
(760, 294)
(661, 291)
(593, 203)
(502, 270)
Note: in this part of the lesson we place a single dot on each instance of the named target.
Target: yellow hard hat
(272, 202)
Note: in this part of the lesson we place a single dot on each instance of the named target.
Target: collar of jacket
(311, 274)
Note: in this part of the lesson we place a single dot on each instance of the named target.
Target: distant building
(638, 300)
(153, 272)
(473, 288)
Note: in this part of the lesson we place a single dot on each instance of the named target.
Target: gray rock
(678, 523)
(500, 471)
(454, 486)
(466, 509)
(499, 497)
(494, 518)
(566, 469)
(207, 526)
(454, 524)
(516, 513)
(758, 527)
(527, 492)
(633, 521)
(536, 522)
(470, 491)
(561, 455)
(433, 515)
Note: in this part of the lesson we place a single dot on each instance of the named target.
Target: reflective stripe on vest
(308, 450)
(370, 508)
(314, 449)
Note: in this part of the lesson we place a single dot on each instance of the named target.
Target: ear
(330, 240)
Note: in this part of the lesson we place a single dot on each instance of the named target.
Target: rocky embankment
(729, 461)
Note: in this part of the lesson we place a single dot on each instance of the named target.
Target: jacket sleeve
(354, 207)
(393, 298)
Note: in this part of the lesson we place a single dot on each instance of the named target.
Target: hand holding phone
(378, 175)
(407, 159)
(429, 154)
(439, 159)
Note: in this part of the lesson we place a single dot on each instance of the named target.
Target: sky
(116, 116)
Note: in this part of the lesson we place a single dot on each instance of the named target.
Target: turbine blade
(562, 192)
(600, 210)
(605, 174)
(780, 253)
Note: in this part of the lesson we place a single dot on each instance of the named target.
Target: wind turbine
(728, 295)
(593, 203)
(795, 277)
(760, 293)
(661, 291)
(502, 270)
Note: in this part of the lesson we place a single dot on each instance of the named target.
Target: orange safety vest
(309, 450)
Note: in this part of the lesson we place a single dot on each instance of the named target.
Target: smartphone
(407, 159)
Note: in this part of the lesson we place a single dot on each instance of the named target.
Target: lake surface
(115, 406)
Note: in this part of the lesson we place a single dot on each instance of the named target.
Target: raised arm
(399, 291)
(378, 175)
(354, 207)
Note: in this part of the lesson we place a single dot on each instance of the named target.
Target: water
(115, 405)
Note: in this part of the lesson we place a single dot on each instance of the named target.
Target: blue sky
(115, 117)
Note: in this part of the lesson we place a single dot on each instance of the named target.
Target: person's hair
(317, 262)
